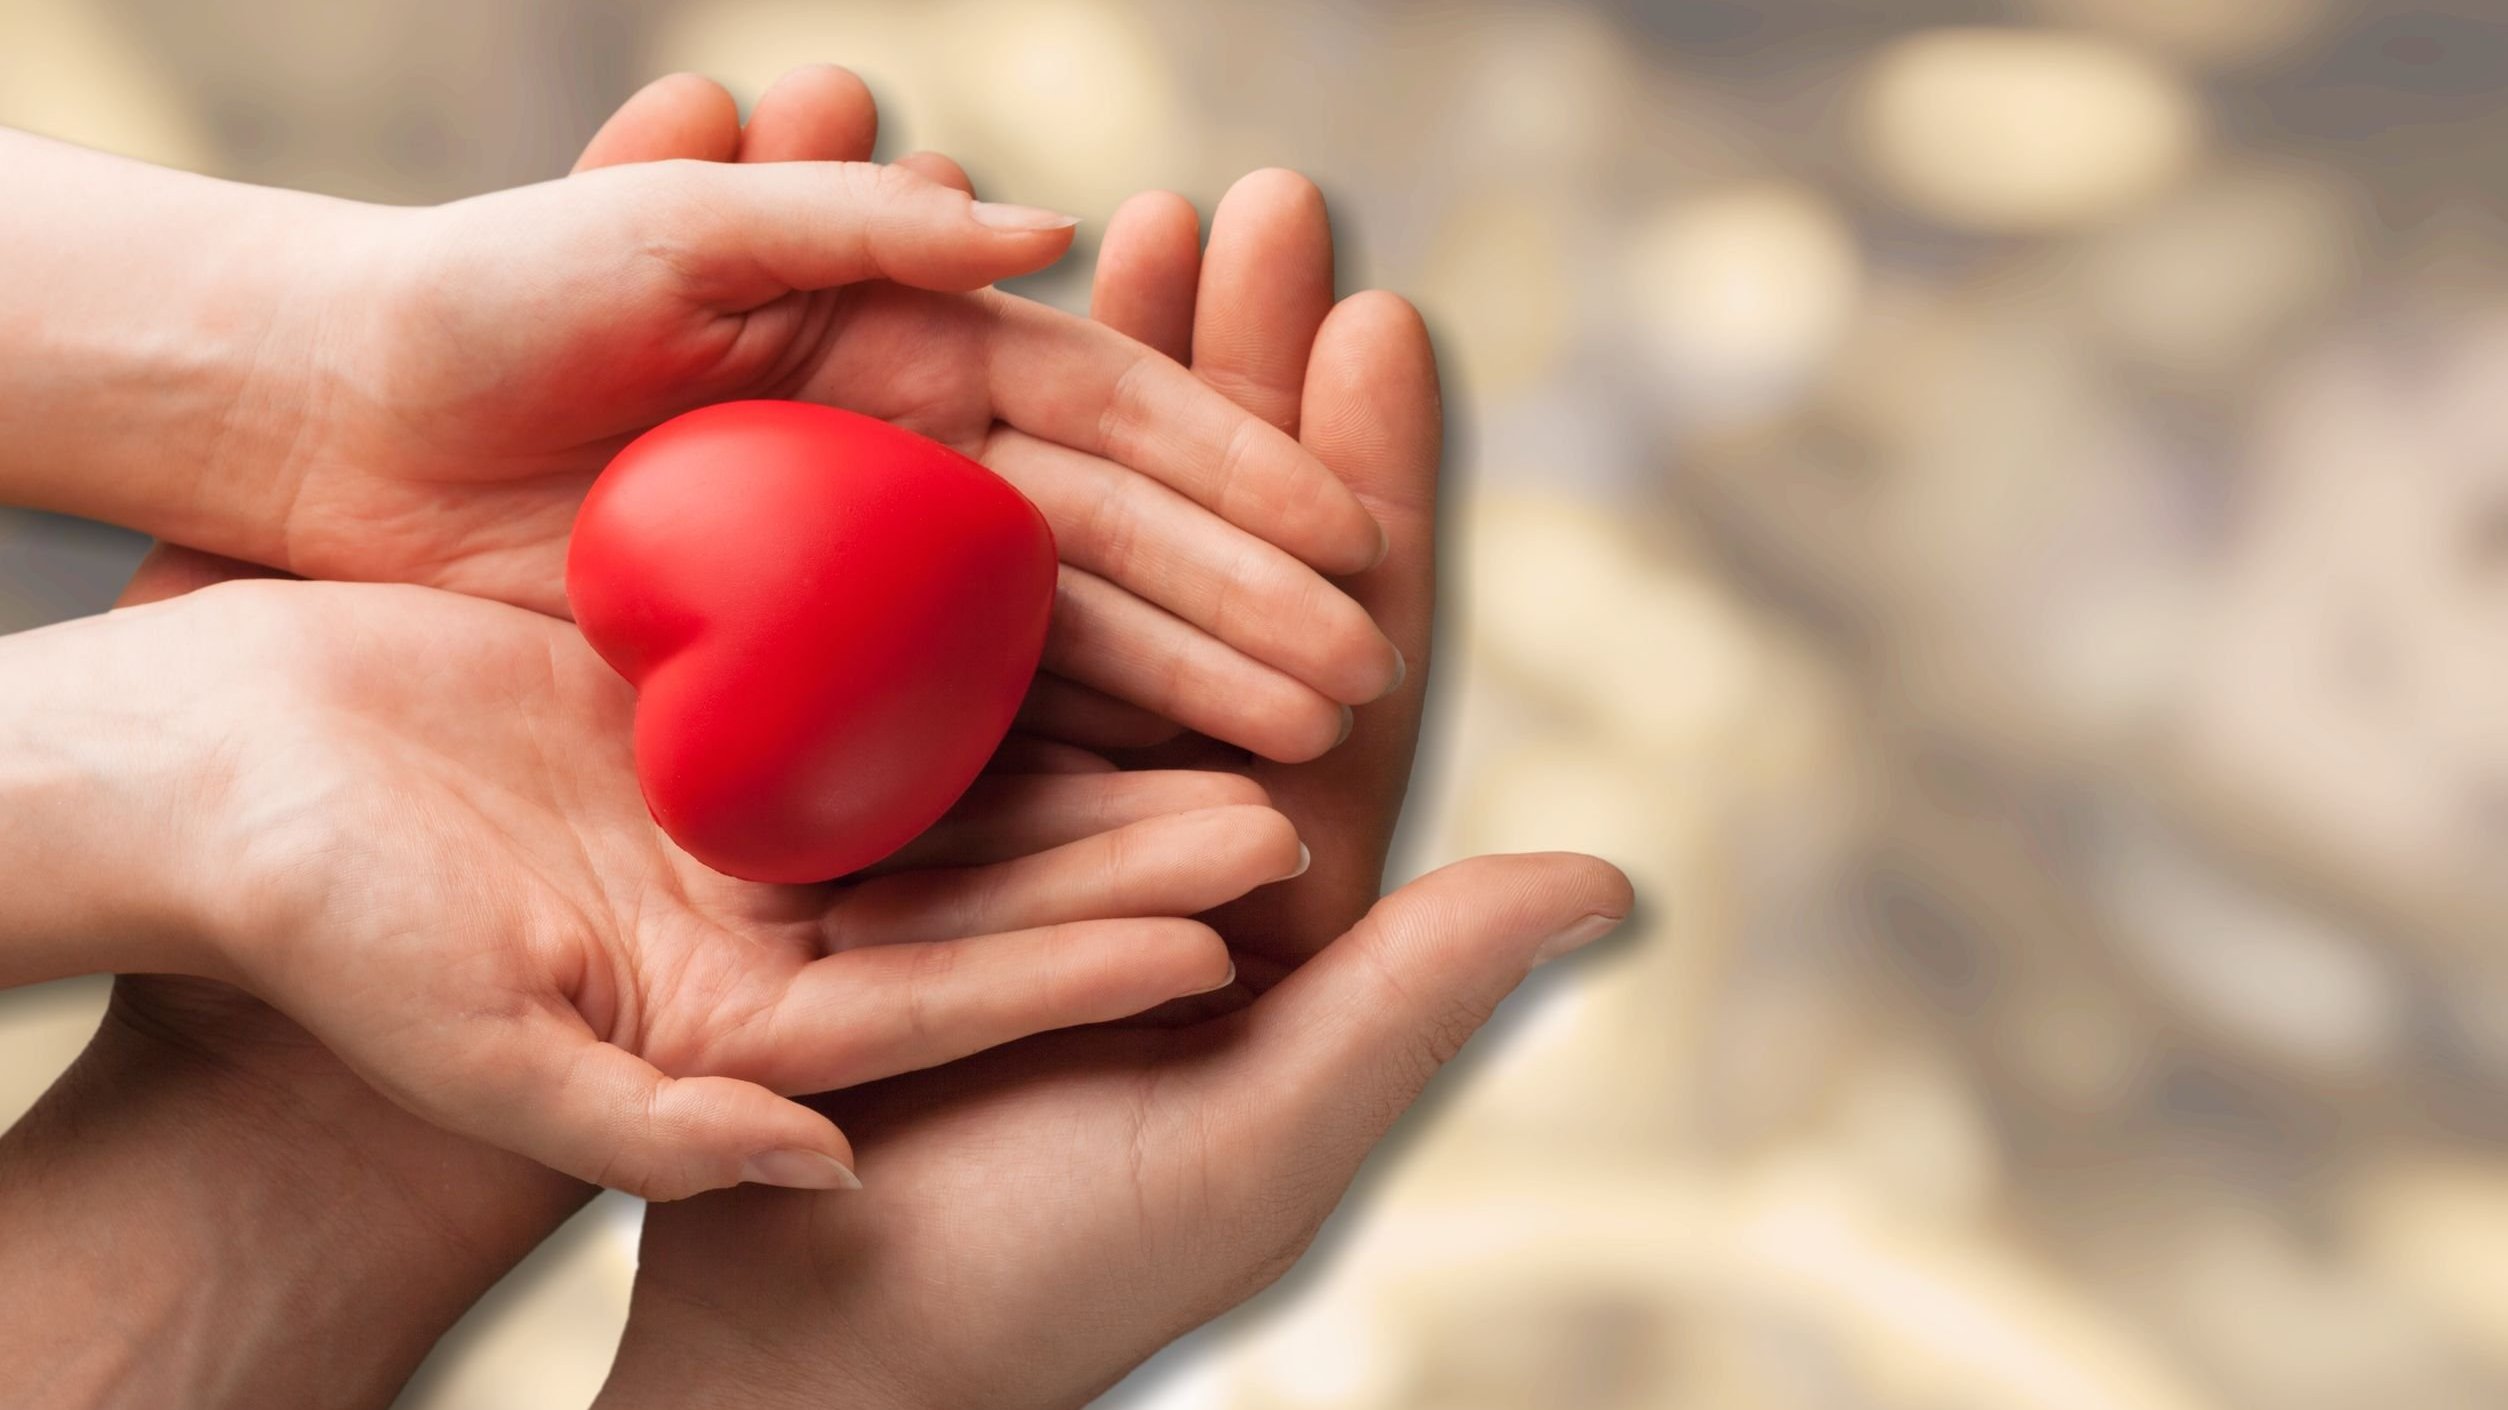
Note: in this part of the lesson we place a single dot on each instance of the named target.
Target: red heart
(829, 621)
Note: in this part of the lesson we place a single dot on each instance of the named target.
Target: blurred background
(1996, 511)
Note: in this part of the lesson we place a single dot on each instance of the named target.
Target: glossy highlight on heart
(829, 621)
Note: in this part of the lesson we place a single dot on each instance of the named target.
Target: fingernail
(799, 1170)
(1401, 672)
(1349, 721)
(1576, 937)
(1305, 859)
(1222, 984)
(1022, 218)
(1384, 546)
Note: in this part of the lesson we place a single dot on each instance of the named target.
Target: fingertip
(1605, 884)
(677, 115)
(1148, 270)
(1283, 847)
(1262, 839)
(1546, 889)
(1114, 969)
(1368, 668)
(816, 112)
(1276, 192)
(770, 1139)
(799, 1169)
(1301, 732)
(691, 92)
(1562, 881)
(1165, 214)
(1226, 978)
(1350, 540)
(1197, 960)
(822, 76)
(1022, 220)
(1384, 313)
(615, 1120)
(1373, 343)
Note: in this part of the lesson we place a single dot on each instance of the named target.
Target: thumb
(1347, 1042)
(548, 1089)
(750, 233)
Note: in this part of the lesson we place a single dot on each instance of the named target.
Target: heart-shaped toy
(830, 623)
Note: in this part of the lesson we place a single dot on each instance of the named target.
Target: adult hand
(1041, 1218)
(428, 392)
(208, 1210)
(155, 1243)
(410, 820)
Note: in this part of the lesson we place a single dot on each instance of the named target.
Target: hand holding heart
(409, 820)
(462, 438)
(424, 395)
(1178, 1167)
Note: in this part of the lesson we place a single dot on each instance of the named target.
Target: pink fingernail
(1576, 937)
(1026, 219)
(799, 1170)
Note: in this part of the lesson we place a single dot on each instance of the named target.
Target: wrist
(105, 787)
(210, 1210)
(170, 341)
(684, 1349)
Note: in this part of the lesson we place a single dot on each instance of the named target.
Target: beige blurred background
(1996, 511)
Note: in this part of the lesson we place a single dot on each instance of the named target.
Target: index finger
(1069, 380)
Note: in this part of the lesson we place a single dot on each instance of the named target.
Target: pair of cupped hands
(1108, 1042)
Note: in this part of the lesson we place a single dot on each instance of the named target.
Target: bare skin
(1166, 1173)
(423, 395)
(1251, 1122)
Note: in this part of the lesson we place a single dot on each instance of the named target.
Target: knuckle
(1119, 854)
(1118, 423)
(865, 183)
(1235, 463)
(1241, 582)
(927, 977)
(1113, 527)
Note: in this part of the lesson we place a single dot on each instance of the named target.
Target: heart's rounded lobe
(830, 623)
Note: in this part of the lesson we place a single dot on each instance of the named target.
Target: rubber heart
(829, 621)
